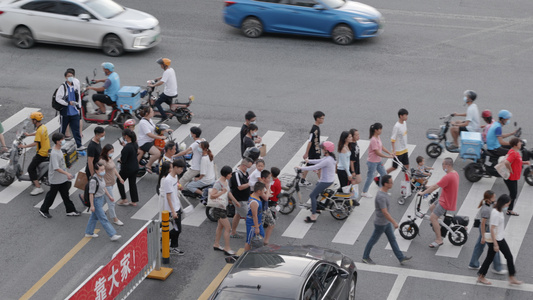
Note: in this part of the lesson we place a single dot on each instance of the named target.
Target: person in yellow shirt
(42, 141)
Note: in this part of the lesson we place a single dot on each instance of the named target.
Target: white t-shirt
(197, 154)
(170, 186)
(472, 115)
(253, 178)
(399, 137)
(143, 129)
(207, 168)
(171, 84)
(497, 219)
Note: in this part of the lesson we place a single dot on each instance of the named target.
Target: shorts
(146, 146)
(243, 210)
(104, 99)
(250, 232)
(439, 210)
(462, 128)
(404, 159)
(269, 218)
(219, 213)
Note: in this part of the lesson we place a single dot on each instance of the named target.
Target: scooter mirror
(87, 79)
(94, 72)
(515, 124)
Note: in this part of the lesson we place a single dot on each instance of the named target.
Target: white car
(89, 23)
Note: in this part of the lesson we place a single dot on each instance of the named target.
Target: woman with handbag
(218, 199)
(254, 217)
(514, 163)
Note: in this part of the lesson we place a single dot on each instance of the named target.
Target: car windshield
(105, 8)
(334, 3)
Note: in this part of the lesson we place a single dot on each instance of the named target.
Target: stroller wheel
(401, 200)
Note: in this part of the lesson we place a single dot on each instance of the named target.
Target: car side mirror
(318, 7)
(85, 17)
(343, 274)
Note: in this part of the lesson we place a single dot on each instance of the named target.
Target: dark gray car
(289, 272)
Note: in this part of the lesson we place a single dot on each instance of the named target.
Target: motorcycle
(438, 136)
(15, 168)
(120, 111)
(179, 110)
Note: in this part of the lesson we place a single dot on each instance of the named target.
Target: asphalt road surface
(429, 53)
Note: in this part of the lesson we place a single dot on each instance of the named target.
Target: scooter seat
(462, 220)
(342, 195)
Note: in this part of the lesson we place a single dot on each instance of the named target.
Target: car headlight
(363, 20)
(136, 30)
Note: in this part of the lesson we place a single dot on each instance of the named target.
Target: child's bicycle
(412, 183)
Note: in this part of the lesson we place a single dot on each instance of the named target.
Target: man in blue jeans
(383, 223)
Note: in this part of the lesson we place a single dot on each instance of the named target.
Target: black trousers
(132, 179)
(512, 185)
(175, 234)
(63, 189)
(32, 168)
(504, 249)
(343, 178)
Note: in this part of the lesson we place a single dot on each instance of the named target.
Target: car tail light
(229, 3)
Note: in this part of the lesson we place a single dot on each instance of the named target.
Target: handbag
(501, 168)
(352, 189)
(220, 202)
(477, 220)
(405, 187)
(81, 180)
(488, 237)
(256, 241)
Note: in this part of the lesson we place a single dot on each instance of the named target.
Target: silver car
(100, 24)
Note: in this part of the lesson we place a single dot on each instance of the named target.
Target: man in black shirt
(313, 145)
(249, 118)
(240, 190)
(94, 149)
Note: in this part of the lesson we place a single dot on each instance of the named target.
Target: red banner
(115, 276)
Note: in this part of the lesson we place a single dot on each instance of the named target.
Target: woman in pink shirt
(375, 153)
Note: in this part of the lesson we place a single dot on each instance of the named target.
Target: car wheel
(342, 35)
(23, 38)
(112, 45)
(252, 27)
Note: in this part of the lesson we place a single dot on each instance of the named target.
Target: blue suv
(342, 20)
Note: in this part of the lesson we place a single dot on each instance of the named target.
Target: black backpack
(55, 104)
(86, 200)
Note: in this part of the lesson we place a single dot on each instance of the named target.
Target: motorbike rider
(171, 86)
(496, 145)
(146, 136)
(43, 145)
(487, 116)
(471, 122)
(107, 94)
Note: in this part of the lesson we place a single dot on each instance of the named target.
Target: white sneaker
(36, 191)
(118, 222)
(501, 272)
(366, 195)
(94, 235)
(176, 251)
(115, 237)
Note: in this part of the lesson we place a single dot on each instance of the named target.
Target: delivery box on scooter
(471, 144)
(129, 98)
(69, 153)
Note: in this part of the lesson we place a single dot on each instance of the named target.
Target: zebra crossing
(351, 228)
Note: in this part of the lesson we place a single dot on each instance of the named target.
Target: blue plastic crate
(471, 144)
(129, 98)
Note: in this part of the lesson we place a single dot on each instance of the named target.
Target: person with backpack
(68, 101)
(59, 180)
(96, 191)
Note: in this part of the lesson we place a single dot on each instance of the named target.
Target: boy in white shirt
(172, 203)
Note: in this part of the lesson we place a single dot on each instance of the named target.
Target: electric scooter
(438, 136)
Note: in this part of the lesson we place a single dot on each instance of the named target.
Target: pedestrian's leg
(504, 249)
(154, 155)
(100, 215)
(512, 185)
(121, 188)
(381, 170)
(64, 191)
(134, 194)
(488, 260)
(476, 254)
(497, 262)
(378, 231)
(227, 230)
(91, 224)
(63, 120)
(75, 128)
(436, 227)
(235, 223)
(389, 232)
(218, 232)
(32, 169)
(370, 174)
(159, 107)
(110, 204)
(178, 225)
(50, 197)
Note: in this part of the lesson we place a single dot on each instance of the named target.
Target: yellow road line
(216, 282)
(56, 268)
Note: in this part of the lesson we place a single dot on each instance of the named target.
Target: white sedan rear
(89, 23)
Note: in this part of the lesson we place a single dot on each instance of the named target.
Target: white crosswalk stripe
(516, 228)
(18, 117)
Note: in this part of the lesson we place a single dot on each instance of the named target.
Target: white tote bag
(405, 187)
(220, 202)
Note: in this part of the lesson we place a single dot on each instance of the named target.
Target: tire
(353, 284)
(287, 203)
(408, 230)
(209, 214)
(434, 150)
(23, 38)
(251, 27)
(340, 213)
(5, 178)
(528, 175)
(112, 45)
(186, 118)
(342, 35)
(473, 172)
(462, 236)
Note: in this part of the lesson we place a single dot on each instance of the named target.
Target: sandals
(122, 203)
(435, 245)
(219, 248)
(512, 213)
(309, 220)
(484, 281)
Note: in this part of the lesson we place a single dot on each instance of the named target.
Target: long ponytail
(205, 146)
(373, 128)
(165, 169)
(486, 196)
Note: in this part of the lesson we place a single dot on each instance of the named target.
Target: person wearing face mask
(496, 144)
(59, 180)
(196, 159)
(447, 200)
(77, 86)
(147, 135)
(69, 96)
(129, 166)
(94, 149)
(111, 177)
(96, 195)
(107, 94)
(251, 138)
(249, 118)
(472, 120)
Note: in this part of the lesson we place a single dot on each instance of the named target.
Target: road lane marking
(218, 279)
(397, 287)
(516, 228)
(18, 117)
(62, 262)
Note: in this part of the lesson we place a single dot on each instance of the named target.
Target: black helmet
(252, 153)
(160, 128)
(470, 94)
